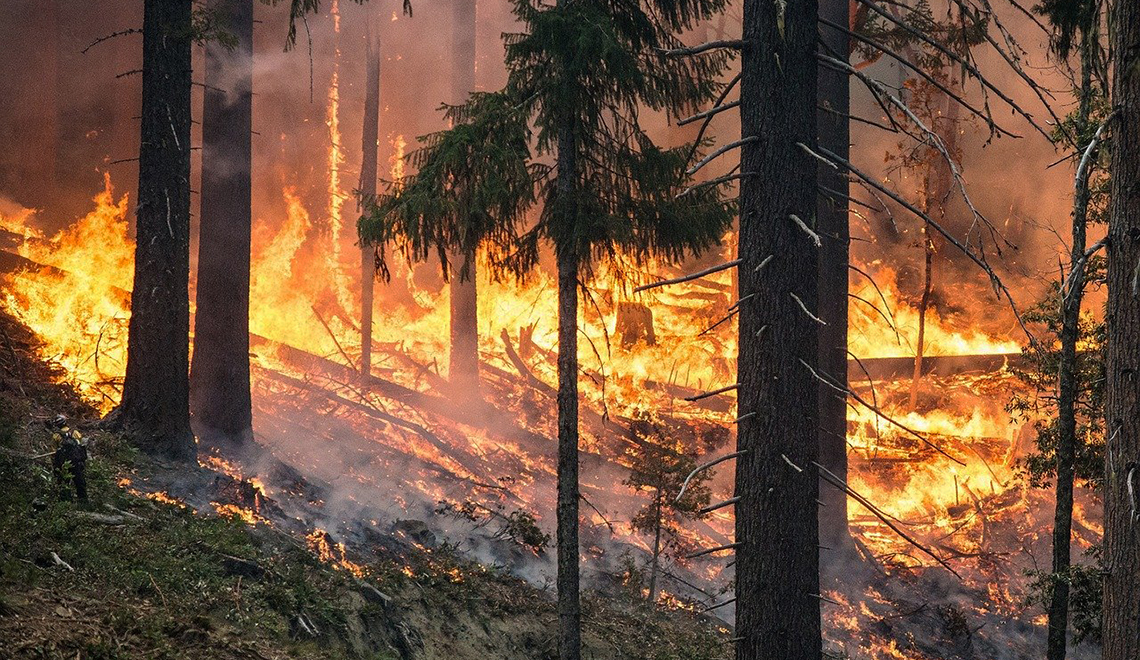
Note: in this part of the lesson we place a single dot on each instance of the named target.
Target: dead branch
(719, 505)
(855, 395)
(523, 370)
(705, 395)
(835, 481)
(948, 53)
(705, 466)
(719, 548)
(735, 44)
(995, 281)
(709, 113)
(715, 182)
(719, 152)
(347, 360)
(687, 278)
(708, 120)
(108, 37)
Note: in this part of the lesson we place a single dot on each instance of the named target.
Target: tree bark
(569, 607)
(369, 166)
(567, 258)
(219, 369)
(464, 360)
(1121, 632)
(835, 134)
(777, 559)
(155, 408)
(1067, 387)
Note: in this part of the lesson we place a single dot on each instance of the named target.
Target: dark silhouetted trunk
(777, 530)
(155, 409)
(566, 256)
(835, 134)
(464, 363)
(219, 370)
(1067, 393)
(370, 141)
(569, 608)
(1121, 631)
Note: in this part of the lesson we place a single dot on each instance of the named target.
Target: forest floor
(133, 574)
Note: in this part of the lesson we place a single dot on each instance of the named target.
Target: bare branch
(695, 276)
(705, 395)
(705, 466)
(709, 113)
(726, 148)
(735, 44)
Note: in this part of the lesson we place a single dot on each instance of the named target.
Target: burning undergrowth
(350, 463)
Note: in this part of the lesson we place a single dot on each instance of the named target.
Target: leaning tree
(581, 74)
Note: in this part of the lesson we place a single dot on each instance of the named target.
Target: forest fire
(615, 400)
(955, 501)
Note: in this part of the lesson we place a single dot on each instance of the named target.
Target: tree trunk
(1121, 632)
(1067, 393)
(569, 608)
(656, 548)
(464, 363)
(923, 304)
(155, 409)
(566, 256)
(777, 530)
(219, 370)
(370, 142)
(835, 134)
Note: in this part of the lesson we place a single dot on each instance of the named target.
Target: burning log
(523, 370)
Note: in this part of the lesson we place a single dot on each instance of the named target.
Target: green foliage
(589, 68)
(1040, 404)
(519, 526)
(1085, 595)
(659, 464)
(1071, 20)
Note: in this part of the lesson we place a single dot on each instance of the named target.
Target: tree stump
(634, 323)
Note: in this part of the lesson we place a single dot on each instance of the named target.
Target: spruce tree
(580, 74)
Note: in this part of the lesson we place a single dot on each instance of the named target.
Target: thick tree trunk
(777, 530)
(219, 370)
(155, 408)
(1121, 633)
(835, 134)
(464, 363)
(369, 166)
(1070, 304)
